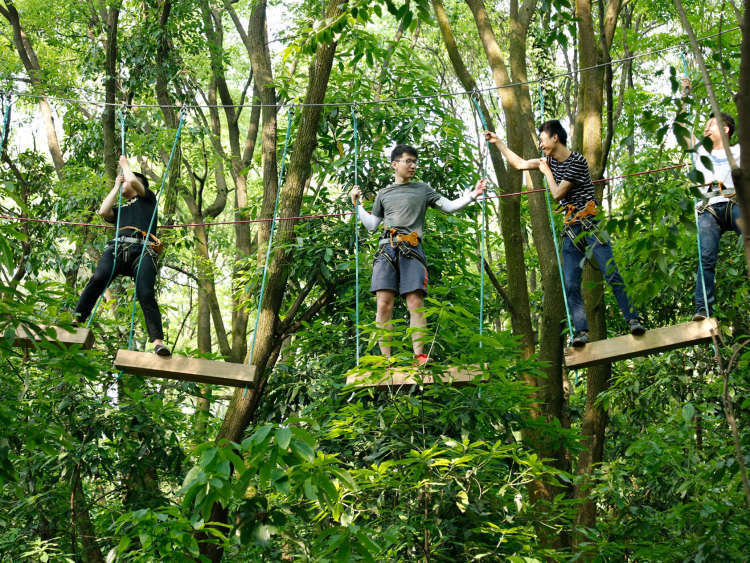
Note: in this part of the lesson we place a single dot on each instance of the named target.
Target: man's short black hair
(142, 178)
(554, 127)
(727, 120)
(401, 150)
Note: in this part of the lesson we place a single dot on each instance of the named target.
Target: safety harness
(156, 244)
(584, 217)
(405, 244)
(724, 191)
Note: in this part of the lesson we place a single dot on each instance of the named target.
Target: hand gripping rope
(165, 175)
(355, 220)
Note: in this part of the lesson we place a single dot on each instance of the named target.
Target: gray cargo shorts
(399, 270)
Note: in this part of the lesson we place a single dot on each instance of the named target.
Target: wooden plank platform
(148, 364)
(83, 337)
(629, 346)
(407, 376)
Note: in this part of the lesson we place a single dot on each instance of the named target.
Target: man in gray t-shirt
(400, 264)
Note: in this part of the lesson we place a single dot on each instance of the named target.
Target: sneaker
(161, 350)
(700, 315)
(580, 340)
(636, 328)
(421, 359)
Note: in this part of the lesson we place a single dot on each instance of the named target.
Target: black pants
(126, 264)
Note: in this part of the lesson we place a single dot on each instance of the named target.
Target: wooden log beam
(629, 346)
(395, 377)
(185, 369)
(26, 336)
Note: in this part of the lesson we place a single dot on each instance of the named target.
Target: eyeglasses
(407, 161)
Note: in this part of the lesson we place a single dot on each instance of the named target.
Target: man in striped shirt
(569, 182)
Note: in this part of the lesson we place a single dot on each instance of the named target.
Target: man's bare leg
(384, 300)
(414, 301)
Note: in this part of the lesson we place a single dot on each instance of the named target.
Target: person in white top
(718, 212)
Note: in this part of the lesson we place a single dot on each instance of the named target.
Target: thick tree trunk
(111, 146)
(82, 520)
(593, 51)
(741, 175)
(509, 208)
(268, 341)
(31, 64)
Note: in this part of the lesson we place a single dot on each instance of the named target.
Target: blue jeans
(602, 253)
(710, 230)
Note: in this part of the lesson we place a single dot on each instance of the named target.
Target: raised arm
(131, 178)
(106, 208)
(513, 159)
(370, 221)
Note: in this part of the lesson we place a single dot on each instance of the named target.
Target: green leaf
(283, 436)
(303, 450)
(688, 411)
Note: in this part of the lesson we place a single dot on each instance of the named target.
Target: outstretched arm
(685, 139)
(370, 221)
(449, 206)
(513, 159)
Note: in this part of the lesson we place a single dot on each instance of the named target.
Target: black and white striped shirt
(574, 169)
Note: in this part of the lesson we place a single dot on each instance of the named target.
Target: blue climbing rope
(117, 228)
(482, 229)
(6, 122)
(355, 220)
(695, 208)
(273, 230)
(164, 178)
(554, 230)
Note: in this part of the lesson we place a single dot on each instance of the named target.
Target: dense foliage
(99, 465)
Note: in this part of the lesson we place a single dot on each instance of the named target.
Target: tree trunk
(82, 520)
(31, 64)
(593, 51)
(741, 175)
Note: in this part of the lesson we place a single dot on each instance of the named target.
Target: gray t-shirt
(403, 206)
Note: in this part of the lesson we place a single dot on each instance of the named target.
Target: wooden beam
(629, 346)
(410, 376)
(83, 337)
(149, 364)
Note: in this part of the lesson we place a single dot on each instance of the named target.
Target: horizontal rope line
(447, 94)
(319, 216)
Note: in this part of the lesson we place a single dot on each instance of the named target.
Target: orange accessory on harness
(412, 238)
(589, 211)
(156, 243)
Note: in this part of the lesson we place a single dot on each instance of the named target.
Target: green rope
(165, 175)
(355, 220)
(6, 123)
(695, 213)
(117, 228)
(554, 231)
(482, 235)
(695, 209)
(270, 236)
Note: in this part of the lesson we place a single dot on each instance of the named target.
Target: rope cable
(482, 236)
(554, 231)
(290, 118)
(355, 220)
(145, 244)
(117, 229)
(450, 93)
